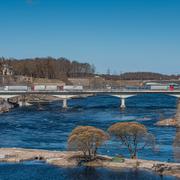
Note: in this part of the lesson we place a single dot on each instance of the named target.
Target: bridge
(65, 95)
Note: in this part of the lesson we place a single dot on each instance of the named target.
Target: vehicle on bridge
(72, 88)
(161, 86)
(40, 87)
(16, 88)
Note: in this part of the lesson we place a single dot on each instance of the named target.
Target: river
(48, 128)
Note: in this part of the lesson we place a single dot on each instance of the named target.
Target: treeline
(48, 67)
(62, 68)
(141, 76)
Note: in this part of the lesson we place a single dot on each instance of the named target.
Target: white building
(7, 70)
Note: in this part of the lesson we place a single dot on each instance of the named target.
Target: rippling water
(29, 127)
(38, 171)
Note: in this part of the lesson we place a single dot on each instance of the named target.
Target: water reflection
(90, 173)
(47, 172)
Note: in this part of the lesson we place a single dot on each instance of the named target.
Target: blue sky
(123, 35)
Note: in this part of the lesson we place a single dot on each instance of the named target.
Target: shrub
(132, 135)
(87, 139)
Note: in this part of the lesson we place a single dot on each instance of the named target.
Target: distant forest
(49, 67)
(62, 68)
(141, 76)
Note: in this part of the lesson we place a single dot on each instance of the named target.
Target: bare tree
(87, 139)
(48, 67)
(132, 135)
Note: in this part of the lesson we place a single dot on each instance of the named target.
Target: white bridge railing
(94, 91)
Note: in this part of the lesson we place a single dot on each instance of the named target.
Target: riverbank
(69, 159)
(167, 122)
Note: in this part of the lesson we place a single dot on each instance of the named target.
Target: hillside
(62, 68)
(48, 67)
(141, 76)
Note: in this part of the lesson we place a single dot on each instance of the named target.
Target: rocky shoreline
(69, 159)
(28, 100)
(5, 107)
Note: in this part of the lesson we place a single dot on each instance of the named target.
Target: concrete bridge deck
(65, 95)
(100, 92)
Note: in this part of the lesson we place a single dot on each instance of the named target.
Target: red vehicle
(171, 88)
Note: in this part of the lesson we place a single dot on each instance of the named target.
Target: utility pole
(121, 79)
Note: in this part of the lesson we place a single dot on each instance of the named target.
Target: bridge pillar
(6, 99)
(65, 98)
(20, 103)
(123, 99)
(23, 103)
(65, 106)
(123, 104)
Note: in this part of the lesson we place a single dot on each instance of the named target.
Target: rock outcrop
(167, 122)
(177, 116)
(171, 121)
(69, 159)
(5, 107)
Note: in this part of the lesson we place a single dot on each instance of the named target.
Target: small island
(83, 144)
(69, 159)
